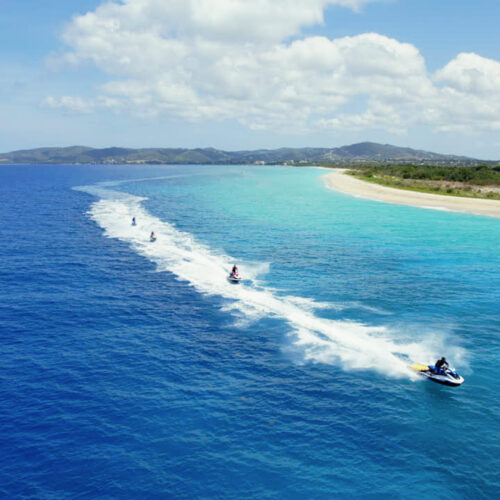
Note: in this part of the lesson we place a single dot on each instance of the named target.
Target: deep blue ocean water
(132, 369)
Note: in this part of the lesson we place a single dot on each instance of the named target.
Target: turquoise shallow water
(135, 369)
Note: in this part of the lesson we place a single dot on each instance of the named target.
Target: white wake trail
(349, 344)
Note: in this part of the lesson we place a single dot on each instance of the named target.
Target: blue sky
(251, 74)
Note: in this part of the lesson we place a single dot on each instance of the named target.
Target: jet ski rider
(441, 365)
(234, 270)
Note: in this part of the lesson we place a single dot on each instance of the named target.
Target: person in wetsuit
(235, 270)
(441, 364)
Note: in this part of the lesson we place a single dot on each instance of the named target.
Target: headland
(338, 180)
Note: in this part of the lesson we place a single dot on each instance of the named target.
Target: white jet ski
(446, 376)
(152, 239)
(234, 277)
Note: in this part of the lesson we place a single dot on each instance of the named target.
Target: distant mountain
(372, 150)
(364, 152)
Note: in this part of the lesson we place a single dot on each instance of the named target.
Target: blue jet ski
(446, 376)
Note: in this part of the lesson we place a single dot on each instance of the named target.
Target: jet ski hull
(152, 240)
(449, 377)
(443, 379)
(233, 278)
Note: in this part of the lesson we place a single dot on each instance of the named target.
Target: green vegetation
(474, 182)
(480, 175)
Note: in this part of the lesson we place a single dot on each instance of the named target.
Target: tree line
(479, 175)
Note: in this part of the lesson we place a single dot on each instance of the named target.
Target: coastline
(337, 180)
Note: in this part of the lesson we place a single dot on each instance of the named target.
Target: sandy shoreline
(339, 181)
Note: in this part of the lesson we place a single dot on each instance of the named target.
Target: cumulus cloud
(470, 73)
(470, 93)
(235, 59)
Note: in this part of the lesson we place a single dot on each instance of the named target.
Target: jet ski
(152, 239)
(234, 277)
(446, 376)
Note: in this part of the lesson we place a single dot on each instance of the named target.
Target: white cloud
(80, 105)
(470, 73)
(68, 102)
(469, 94)
(246, 60)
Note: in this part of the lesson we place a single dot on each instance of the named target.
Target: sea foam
(346, 343)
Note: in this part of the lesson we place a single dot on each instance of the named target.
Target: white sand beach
(339, 181)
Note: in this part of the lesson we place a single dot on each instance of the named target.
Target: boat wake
(346, 343)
